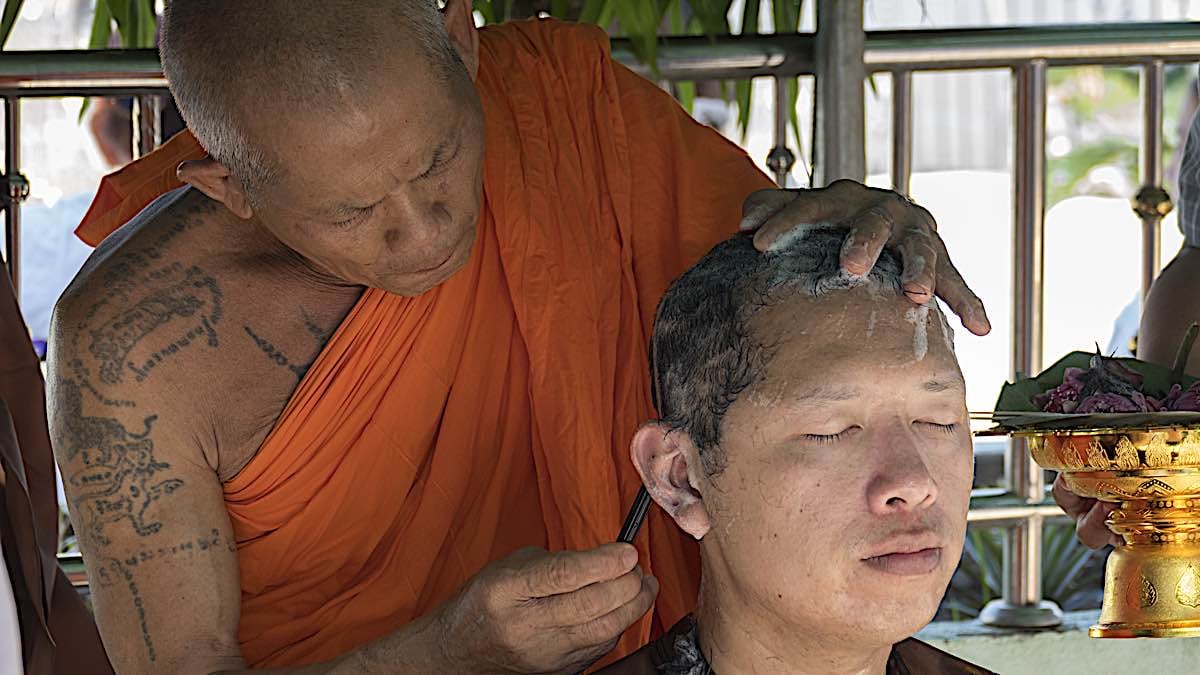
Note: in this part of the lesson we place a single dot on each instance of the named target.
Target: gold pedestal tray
(1152, 580)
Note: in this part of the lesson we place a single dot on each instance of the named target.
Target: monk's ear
(460, 25)
(213, 179)
(662, 458)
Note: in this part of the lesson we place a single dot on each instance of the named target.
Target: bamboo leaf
(713, 15)
(639, 21)
(742, 96)
(742, 88)
(687, 95)
(559, 8)
(12, 8)
(101, 26)
(147, 24)
(593, 9)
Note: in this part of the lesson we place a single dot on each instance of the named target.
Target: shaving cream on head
(919, 318)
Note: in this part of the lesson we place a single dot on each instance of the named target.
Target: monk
(325, 404)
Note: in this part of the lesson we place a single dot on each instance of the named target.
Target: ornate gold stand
(1152, 581)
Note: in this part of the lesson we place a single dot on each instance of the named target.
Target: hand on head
(876, 218)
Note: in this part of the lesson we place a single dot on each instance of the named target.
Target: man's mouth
(907, 554)
(914, 564)
(449, 255)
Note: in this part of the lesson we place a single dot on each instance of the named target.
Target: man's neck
(738, 638)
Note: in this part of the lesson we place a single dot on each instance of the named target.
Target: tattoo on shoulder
(314, 329)
(173, 308)
(114, 475)
(276, 355)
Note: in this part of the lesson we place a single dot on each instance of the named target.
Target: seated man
(814, 438)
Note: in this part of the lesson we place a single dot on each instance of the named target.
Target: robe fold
(437, 433)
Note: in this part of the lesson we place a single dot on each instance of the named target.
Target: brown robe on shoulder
(57, 631)
(677, 653)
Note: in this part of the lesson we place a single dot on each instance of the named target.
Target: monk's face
(387, 193)
(843, 500)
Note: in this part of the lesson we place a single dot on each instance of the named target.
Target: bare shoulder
(178, 313)
(144, 298)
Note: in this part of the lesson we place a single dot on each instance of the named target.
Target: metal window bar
(1026, 51)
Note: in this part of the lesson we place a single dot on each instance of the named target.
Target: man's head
(352, 131)
(814, 437)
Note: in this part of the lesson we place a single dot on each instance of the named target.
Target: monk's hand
(876, 218)
(539, 612)
(1089, 516)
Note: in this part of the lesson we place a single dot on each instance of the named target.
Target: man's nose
(422, 221)
(901, 481)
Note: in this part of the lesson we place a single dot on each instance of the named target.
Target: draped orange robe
(435, 434)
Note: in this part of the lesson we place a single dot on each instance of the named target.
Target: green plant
(1098, 97)
(644, 22)
(1072, 575)
(134, 20)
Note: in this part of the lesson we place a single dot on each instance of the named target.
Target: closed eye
(829, 438)
(357, 216)
(440, 161)
(943, 428)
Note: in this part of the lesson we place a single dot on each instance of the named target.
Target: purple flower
(1064, 397)
(1188, 399)
(1104, 402)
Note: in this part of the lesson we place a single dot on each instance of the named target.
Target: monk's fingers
(762, 204)
(566, 571)
(1091, 529)
(959, 297)
(1071, 504)
(604, 631)
(590, 602)
(834, 204)
(870, 231)
(920, 257)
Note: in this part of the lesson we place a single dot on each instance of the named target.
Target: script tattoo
(118, 478)
(275, 355)
(279, 358)
(113, 571)
(173, 292)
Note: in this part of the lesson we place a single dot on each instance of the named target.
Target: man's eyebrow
(825, 393)
(939, 384)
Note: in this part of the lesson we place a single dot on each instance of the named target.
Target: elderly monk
(325, 407)
(814, 438)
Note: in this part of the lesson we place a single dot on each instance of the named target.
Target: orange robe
(435, 434)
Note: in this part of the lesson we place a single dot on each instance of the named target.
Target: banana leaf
(1016, 412)
(1018, 396)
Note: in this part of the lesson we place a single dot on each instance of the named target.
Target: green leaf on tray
(1018, 396)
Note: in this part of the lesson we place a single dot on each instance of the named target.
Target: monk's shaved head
(236, 65)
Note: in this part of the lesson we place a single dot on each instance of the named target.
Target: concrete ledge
(1062, 651)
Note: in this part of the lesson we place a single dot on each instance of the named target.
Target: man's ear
(460, 25)
(661, 458)
(213, 179)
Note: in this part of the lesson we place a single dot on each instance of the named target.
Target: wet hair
(703, 353)
(226, 60)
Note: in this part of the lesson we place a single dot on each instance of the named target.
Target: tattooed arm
(150, 516)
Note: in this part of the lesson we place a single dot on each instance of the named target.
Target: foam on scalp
(703, 351)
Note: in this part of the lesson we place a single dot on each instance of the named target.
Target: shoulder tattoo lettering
(183, 304)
